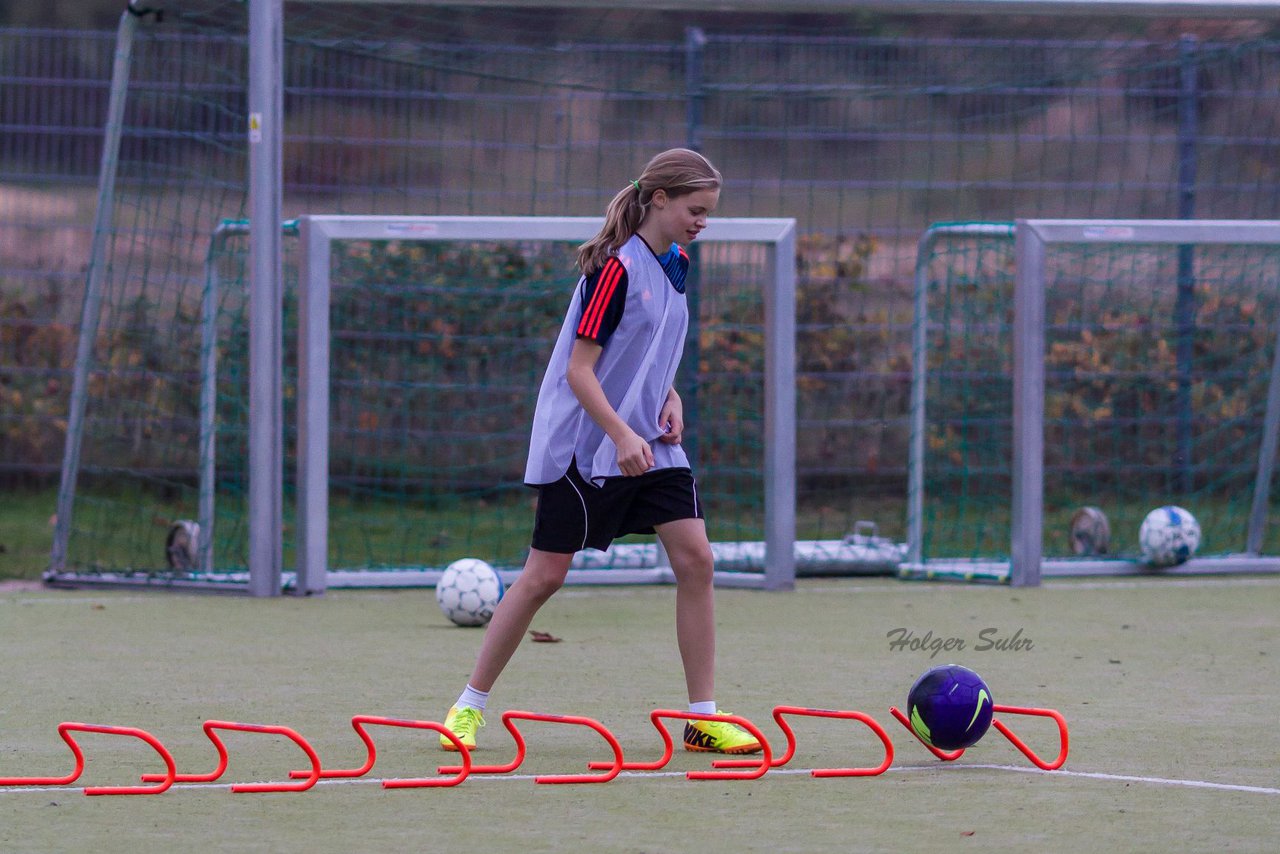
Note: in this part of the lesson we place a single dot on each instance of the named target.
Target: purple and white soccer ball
(468, 591)
(1168, 536)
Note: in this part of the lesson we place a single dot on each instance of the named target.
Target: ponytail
(678, 171)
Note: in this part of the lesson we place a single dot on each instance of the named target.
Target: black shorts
(574, 515)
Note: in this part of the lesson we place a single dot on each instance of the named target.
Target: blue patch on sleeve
(675, 263)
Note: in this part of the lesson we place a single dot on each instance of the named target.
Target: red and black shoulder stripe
(604, 294)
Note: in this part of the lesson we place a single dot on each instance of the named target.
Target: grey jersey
(636, 369)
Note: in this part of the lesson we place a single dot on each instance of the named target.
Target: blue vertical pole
(1185, 308)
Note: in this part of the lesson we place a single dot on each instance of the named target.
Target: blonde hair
(678, 171)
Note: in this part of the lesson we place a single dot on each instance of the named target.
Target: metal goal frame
(1033, 240)
(317, 234)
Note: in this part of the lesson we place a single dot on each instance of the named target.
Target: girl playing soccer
(605, 454)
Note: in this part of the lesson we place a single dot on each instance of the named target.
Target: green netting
(1144, 404)
(968, 398)
(437, 352)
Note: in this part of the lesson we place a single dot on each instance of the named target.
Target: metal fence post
(1185, 307)
(695, 45)
(266, 407)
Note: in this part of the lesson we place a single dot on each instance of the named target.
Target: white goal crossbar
(318, 233)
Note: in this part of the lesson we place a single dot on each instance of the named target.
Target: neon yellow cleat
(719, 737)
(462, 722)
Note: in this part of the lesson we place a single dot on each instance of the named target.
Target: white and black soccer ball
(468, 591)
(1168, 536)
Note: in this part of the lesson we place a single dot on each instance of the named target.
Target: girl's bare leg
(543, 575)
(690, 553)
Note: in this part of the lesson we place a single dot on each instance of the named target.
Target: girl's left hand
(671, 420)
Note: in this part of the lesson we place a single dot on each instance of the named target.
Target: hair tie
(635, 184)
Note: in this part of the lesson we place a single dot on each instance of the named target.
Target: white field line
(644, 775)
(1129, 778)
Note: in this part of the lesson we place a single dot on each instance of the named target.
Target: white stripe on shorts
(586, 528)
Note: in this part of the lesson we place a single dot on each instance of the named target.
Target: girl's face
(679, 219)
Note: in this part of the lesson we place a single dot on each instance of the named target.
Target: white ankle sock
(704, 707)
(472, 698)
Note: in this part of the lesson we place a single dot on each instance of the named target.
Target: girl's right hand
(635, 457)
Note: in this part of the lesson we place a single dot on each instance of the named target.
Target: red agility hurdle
(759, 767)
(210, 729)
(1054, 765)
(508, 720)
(779, 713)
(359, 722)
(1063, 737)
(164, 780)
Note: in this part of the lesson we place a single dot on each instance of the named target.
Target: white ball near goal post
(468, 591)
(1169, 535)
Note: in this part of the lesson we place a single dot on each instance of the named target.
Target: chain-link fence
(865, 140)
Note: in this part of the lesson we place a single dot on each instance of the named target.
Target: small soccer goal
(422, 342)
(1073, 375)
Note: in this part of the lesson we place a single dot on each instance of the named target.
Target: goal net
(1114, 364)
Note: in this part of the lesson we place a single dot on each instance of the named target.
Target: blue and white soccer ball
(468, 591)
(1168, 536)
